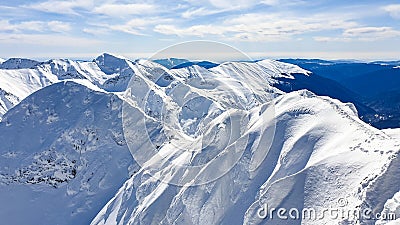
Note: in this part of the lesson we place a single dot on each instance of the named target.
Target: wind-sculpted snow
(195, 122)
(133, 142)
(321, 152)
(313, 152)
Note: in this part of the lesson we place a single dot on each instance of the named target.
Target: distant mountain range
(375, 85)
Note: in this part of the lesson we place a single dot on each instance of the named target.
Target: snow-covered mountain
(115, 141)
(62, 157)
(17, 63)
(320, 152)
(21, 77)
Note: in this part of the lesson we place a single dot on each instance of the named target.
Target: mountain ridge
(93, 153)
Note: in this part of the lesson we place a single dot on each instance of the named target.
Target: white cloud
(30, 25)
(96, 31)
(242, 4)
(56, 40)
(59, 26)
(117, 10)
(393, 10)
(371, 33)
(236, 5)
(5, 25)
(332, 39)
(38, 26)
(270, 2)
(61, 7)
(362, 34)
(260, 27)
(135, 26)
(291, 24)
(233, 3)
(198, 12)
(197, 30)
(228, 5)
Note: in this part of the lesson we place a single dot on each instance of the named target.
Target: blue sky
(327, 29)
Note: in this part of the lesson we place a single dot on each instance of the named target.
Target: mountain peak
(111, 64)
(107, 56)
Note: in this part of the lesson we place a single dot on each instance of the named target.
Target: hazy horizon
(137, 56)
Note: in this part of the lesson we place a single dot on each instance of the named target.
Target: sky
(83, 29)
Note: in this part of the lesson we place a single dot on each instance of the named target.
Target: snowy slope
(395, 133)
(7, 101)
(16, 85)
(62, 156)
(214, 145)
(321, 151)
